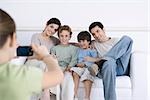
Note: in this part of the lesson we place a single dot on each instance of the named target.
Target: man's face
(98, 33)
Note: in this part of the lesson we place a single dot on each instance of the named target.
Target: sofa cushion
(121, 82)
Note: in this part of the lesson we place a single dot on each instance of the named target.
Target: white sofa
(127, 88)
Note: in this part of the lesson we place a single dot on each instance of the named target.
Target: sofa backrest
(140, 39)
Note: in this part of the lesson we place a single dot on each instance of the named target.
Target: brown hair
(64, 27)
(7, 27)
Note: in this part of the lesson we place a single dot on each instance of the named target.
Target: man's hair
(99, 24)
(64, 27)
(7, 27)
(84, 35)
(54, 21)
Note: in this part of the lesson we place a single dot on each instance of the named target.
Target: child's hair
(64, 27)
(84, 35)
(7, 27)
(54, 21)
(99, 24)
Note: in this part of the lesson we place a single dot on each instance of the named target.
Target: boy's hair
(54, 21)
(99, 24)
(84, 35)
(64, 27)
(7, 27)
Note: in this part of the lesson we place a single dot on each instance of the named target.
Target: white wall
(113, 13)
(120, 17)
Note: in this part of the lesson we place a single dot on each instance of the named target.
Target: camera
(24, 51)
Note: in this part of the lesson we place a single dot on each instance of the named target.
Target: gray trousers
(116, 64)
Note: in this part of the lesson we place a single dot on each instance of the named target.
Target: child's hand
(81, 65)
(89, 59)
(68, 69)
(39, 51)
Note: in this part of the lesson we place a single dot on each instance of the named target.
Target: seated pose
(113, 58)
(18, 82)
(67, 58)
(44, 38)
(80, 72)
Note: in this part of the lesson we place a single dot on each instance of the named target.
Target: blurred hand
(39, 51)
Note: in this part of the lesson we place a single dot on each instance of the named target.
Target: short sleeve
(74, 57)
(35, 39)
(93, 53)
(34, 79)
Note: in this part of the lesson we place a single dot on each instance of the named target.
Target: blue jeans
(116, 64)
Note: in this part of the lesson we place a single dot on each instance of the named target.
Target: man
(113, 58)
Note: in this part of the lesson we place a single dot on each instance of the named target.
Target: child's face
(64, 37)
(84, 44)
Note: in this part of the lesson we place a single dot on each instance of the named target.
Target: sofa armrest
(19, 60)
(138, 74)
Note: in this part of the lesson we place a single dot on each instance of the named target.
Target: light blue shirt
(86, 52)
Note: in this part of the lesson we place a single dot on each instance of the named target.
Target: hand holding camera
(39, 51)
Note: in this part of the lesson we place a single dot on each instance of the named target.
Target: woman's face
(64, 37)
(51, 29)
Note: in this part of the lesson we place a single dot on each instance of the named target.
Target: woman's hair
(54, 21)
(99, 24)
(84, 35)
(65, 27)
(7, 27)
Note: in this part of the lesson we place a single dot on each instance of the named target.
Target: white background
(120, 17)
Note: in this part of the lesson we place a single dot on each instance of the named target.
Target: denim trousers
(117, 60)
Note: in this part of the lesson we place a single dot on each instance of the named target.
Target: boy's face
(84, 44)
(64, 37)
(98, 33)
(51, 29)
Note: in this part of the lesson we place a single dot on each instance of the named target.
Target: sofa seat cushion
(121, 82)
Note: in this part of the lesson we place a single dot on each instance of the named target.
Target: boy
(67, 58)
(80, 72)
(19, 82)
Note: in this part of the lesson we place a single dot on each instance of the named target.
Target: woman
(45, 38)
